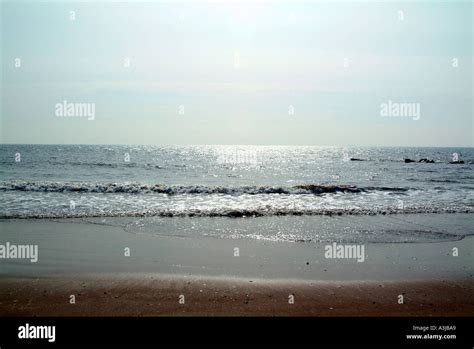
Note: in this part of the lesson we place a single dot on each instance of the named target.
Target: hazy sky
(235, 72)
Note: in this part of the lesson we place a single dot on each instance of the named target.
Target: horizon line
(252, 145)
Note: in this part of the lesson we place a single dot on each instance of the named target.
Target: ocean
(296, 182)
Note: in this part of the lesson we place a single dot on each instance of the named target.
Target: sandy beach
(183, 275)
(158, 295)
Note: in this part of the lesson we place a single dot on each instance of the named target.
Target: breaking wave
(135, 188)
(239, 213)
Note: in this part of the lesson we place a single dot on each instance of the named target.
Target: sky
(237, 72)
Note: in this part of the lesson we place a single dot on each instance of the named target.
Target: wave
(96, 164)
(135, 188)
(357, 236)
(239, 213)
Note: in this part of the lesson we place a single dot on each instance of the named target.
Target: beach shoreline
(239, 248)
(88, 260)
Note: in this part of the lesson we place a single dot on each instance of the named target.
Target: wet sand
(87, 260)
(154, 295)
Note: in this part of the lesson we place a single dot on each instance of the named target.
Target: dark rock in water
(424, 160)
(355, 159)
(322, 189)
(457, 162)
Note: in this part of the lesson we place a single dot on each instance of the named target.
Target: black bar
(316, 332)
